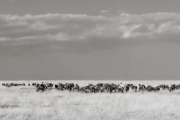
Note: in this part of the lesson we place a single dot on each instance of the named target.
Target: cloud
(81, 27)
(111, 12)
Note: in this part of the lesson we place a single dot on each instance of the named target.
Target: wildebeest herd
(100, 87)
(13, 84)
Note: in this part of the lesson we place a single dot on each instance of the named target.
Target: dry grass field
(24, 103)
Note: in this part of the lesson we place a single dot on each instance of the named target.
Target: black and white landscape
(89, 59)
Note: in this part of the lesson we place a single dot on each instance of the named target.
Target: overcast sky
(90, 39)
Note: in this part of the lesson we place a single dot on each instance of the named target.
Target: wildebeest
(96, 88)
(49, 85)
(142, 87)
(34, 84)
(150, 88)
(172, 87)
(13, 84)
(59, 86)
(68, 86)
(121, 89)
(76, 88)
(41, 87)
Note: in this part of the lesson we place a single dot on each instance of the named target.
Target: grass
(27, 104)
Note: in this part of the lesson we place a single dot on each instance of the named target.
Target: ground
(24, 103)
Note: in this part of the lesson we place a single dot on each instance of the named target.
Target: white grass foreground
(27, 104)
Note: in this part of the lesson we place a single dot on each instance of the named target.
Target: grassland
(27, 104)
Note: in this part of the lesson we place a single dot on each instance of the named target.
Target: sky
(89, 39)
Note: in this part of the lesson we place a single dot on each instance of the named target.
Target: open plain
(25, 103)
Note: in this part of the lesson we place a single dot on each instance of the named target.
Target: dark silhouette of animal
(142, 87)
(41, 87)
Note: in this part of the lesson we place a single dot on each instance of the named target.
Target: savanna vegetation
(27, 104)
